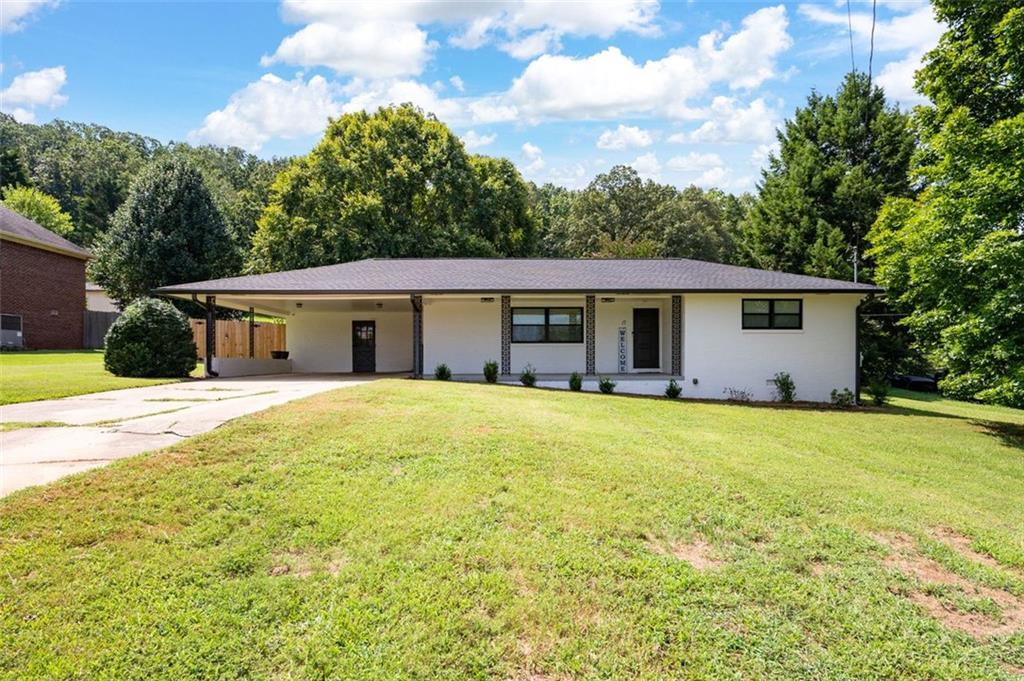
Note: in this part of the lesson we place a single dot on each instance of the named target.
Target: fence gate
(233, 338)
(96, 324)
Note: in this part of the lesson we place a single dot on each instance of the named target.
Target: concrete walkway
(112, 425)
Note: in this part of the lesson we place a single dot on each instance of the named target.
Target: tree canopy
(38, 207)
(169, 230)
(953, 257)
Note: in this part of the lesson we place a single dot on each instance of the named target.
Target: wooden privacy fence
(95, 327)
(233, 338)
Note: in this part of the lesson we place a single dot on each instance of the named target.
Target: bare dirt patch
(906, 559)
(303, 564)
(697, 552)
(962, 544)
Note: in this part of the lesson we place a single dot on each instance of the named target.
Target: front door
(645, 338)
(364, 347)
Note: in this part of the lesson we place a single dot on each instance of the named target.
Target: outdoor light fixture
(380, 306)
(487, 300)
(607, 300)
(298, 305)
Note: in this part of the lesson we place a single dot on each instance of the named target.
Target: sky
(685, 92)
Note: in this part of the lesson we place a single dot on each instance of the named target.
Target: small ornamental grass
(491, 371)
(442, 372)
(151, 339)
(528, 376)
(575, 381)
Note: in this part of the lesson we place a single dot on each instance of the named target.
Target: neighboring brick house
(42, 281)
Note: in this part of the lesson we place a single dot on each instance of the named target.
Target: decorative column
(677, 335)
(211, 336)
(417, 336)
(589, 323)
(252, 333)
(506, 335)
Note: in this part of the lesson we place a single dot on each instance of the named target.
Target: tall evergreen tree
(839, 159)
(168, 231)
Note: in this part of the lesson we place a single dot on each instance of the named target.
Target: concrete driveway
(112, 425)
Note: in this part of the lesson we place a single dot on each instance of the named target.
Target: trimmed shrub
(672, 390)
(606, 385)
(785, 388)
(442, 372)
(878, 390)
(842, 399)
(491, 371)
(151, 339)
(737, 395)
(528, 376)
(575, 381)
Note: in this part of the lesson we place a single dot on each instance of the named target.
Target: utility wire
(871, 54)
(849, 24)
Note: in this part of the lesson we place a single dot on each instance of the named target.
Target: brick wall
(34, 283)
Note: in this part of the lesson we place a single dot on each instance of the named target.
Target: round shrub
(151, 339)
(442, 372)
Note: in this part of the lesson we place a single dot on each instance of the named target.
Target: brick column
(506, 335)
(589, 322)
(677, 335)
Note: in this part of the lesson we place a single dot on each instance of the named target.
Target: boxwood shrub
(151, 339)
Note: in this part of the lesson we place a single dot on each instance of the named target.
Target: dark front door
(645, 338)
(364, 347)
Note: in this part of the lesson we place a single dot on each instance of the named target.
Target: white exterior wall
(609, 316)
(720, 354)
(321, 341)
(460, 332)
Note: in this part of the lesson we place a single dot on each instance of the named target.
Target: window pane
(565, 334)
(787, 307)
(528, 315)
(562, 315)
(755, 321)
(787, 321)
(755, 307)
(528, 333)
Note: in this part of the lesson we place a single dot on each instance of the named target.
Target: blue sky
(687, 92)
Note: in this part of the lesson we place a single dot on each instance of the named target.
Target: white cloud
(609, 84)
(34, 89)
(375, 49)
(457, 83)
(647, 165)
(535, 157)
(693, 161)
(730, 121)
(271, 107)
(678, 138)
(912, 31)
(390, 39)
(624, 137)
(762, 152)
(712, 177)
(16, 14)
(474, 140)
(369, 96)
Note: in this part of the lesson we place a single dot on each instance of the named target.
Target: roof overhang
(43, 246)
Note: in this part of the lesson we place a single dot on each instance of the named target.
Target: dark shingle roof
(480, 275)
(20, 228)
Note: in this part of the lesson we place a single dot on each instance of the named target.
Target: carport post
(211, 336)
(252, 332)
(417, 335)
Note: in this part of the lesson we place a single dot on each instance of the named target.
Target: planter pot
(279, 354)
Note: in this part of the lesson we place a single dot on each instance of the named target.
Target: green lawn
(45, 375)
(424, 529)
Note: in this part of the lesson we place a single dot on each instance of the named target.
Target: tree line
(929, 205)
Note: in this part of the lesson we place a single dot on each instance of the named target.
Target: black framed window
(773, 313)
(547, 325)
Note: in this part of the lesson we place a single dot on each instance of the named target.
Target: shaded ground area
(48, 375)
(43, 441)
(425, 529)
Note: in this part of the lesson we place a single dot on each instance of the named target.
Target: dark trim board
(171, 291)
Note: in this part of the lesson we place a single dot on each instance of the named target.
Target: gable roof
(19, 229)
(512, 275)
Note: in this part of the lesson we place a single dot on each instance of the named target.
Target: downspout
(856, 352)
(211, 336)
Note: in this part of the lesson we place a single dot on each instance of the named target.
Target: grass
(444, 530)
(46, 375)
